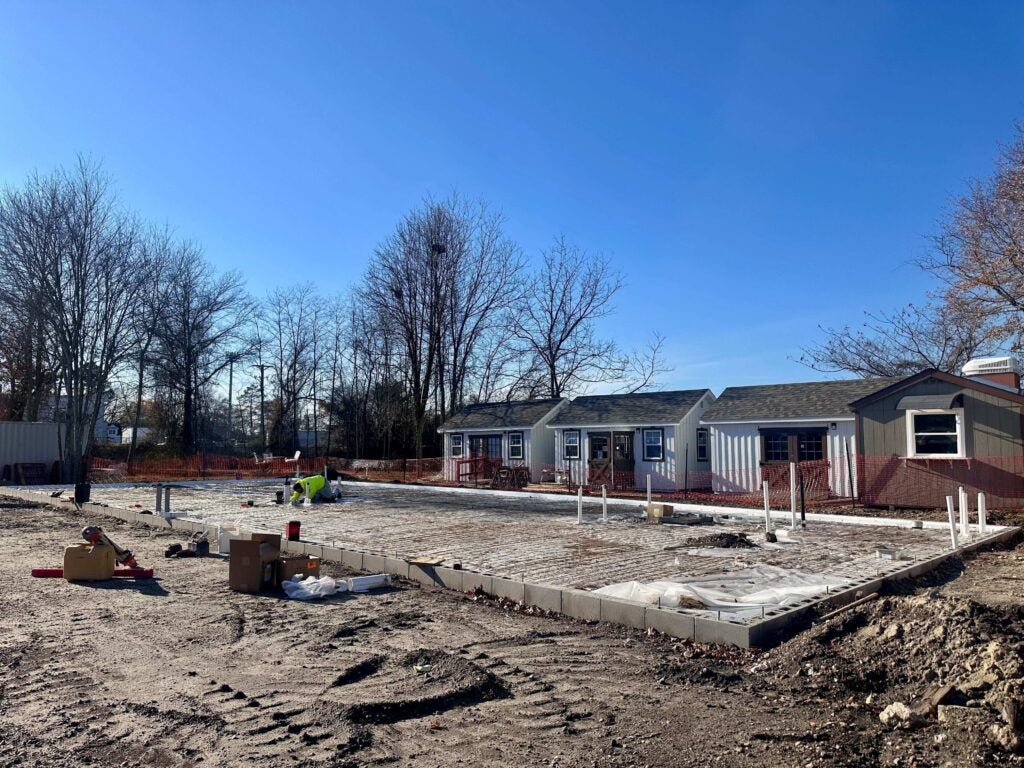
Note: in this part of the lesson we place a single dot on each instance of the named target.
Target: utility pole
(263, 401)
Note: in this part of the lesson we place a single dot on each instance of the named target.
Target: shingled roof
(808, 400)
(639, 408)
(521, 414)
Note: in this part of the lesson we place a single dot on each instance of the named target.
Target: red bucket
(291, 530)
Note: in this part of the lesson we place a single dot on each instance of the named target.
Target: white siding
(736, 455)
(688, 438)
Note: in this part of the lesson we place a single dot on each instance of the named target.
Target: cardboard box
(297, 565)
(656, 511)
(253, 563)
(89, 562)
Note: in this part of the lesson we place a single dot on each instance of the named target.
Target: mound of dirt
(721, 541)
(948, 660)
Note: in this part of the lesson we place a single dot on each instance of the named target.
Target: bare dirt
(181, 671)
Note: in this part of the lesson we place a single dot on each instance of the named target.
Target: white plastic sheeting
(741, 594)
(312, 588)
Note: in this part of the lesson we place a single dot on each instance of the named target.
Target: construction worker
(316, 487)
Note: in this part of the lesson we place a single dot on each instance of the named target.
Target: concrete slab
(670, 622)
(352, 559)
(545, 597)
(473, 581)
(509, 589)
(396, 567)
(627, 612)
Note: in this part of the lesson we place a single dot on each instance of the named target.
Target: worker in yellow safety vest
(315, 486)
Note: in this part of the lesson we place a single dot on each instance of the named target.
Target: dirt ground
(182, 672)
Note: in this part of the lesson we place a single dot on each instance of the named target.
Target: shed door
(485, 447)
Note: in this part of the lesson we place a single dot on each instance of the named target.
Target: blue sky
(754, 169)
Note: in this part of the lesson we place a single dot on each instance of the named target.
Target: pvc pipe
(982, 514)
(964, 525)
(365, 583)
(767, 509)
(792, 492)
(648, 487)
(579, 505)
(167, 502)
(604, 503)
(952, 520)
(159, 498)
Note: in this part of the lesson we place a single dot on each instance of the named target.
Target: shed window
(935, 433)
(776, 447)
(702, 445)
(456, 445)
(654, 445)
(515, 445)
(571, 444)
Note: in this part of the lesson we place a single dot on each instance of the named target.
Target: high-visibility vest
(310, 485)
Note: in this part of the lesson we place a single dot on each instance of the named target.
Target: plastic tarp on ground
(743, 594)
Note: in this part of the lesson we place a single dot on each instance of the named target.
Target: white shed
(484, 436)
(618, 440)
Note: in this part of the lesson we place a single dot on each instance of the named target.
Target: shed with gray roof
(620, 440)
(756, 431)
(484, 436)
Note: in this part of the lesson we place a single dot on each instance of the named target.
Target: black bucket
(82, 492)
(280, 497)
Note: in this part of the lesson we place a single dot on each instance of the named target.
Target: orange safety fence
(206, 466)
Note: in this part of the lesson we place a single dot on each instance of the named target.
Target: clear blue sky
(755, 169)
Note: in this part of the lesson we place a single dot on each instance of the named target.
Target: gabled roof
(808, 400)
(521, 414)
(976, 383)
(637, 409)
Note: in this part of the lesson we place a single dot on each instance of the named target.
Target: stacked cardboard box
(257, 564)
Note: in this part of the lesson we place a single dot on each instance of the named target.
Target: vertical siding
(687, 435)
(23, 442)
(736, 455)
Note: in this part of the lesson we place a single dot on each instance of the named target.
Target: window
(702, 445)
(810, 446)
(654, 445)
(515, 445)
(776, 446)
(571, 444)
(937, 433)
(456, 445)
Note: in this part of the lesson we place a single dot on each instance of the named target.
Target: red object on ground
(291, 530)
(122, 573)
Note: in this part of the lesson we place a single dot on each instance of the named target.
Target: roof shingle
(521, 414)
(808, 400)
(635, 409)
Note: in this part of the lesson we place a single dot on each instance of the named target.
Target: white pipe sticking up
(579, 505)
(964, 525)
(167, 502)
(982, 514)
(952, 520)
(648, 488)
(159, 498)
(792, 493)
(767, 509)
(604, 503)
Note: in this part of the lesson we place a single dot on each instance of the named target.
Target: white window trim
(661, 443)
(522, 446)
(707, 444)
(911, 444)
(578, 445)
(462, 445)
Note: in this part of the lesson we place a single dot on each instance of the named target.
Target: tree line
(110, 315)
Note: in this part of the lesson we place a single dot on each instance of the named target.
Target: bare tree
(556, 326)
(69, 254)
(645, 366)
(290, 331)
(202, 319)
(979, 253)
(936, 335)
